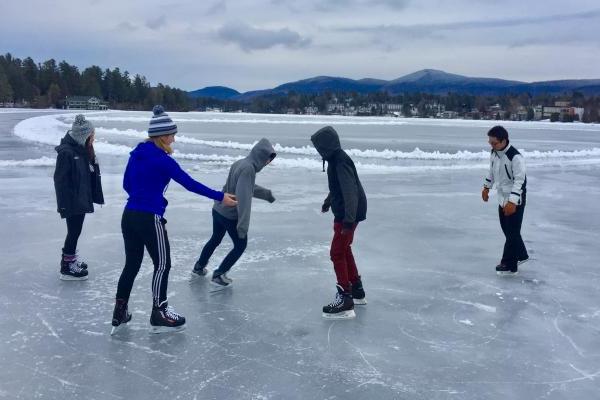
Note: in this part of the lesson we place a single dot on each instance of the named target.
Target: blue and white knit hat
(161, 124)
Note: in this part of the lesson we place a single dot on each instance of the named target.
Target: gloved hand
(509, 209)
(325, 207)
(485, 194)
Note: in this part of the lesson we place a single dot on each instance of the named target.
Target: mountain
(319, 84)
(425, 81)
(586, 86)
(439, 82)
(215, 92)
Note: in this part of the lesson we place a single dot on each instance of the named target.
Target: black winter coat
(77, 181)
(346, 195)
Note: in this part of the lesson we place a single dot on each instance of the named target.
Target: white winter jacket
(507, 171)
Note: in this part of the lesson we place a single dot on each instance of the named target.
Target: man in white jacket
(507, 171)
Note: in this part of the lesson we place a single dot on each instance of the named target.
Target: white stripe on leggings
(162, 258)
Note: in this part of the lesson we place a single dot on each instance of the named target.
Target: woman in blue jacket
(149, 171)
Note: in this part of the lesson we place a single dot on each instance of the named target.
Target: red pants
(341, 255)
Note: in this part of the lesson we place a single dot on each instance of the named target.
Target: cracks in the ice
(568, 338)
(359, 351)
(64, 382)
(329, 335)
(584, 374)
(564, 335)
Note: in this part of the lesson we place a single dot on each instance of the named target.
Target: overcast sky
(260, 44)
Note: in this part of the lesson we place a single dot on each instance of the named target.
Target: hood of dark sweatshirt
(326, 141)
(68, 142)
(262, 152)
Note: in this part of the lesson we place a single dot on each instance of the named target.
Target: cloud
(250, 38)
(219, 7)
(394, 4)
(434, 30)
(126, 26)
(157, 23)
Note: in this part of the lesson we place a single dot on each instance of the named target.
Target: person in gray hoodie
(236, 220)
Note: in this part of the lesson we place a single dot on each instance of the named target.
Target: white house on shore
(85, 103)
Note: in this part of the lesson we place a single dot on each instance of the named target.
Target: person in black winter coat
(78, 186)
(348, 202)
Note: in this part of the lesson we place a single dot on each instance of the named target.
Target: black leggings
(74, 226)
(220, 226)
(514, 248)
(144, 229)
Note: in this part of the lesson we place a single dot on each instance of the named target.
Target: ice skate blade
(523, 261)
(166, 329)
(360, 302)
(215, 287)
(64, 277)
(116, 329)
(341, 315)
(507, 273)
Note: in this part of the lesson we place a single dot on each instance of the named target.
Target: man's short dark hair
(498, 132)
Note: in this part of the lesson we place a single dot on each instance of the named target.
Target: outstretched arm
(263, 193)
(181, 177)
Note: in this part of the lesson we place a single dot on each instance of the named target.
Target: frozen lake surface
(439, 324)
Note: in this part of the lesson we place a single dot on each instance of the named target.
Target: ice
(439, 324)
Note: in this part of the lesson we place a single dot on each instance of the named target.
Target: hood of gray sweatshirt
(241, 183)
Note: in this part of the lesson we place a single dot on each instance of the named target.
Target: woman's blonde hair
(160, 143)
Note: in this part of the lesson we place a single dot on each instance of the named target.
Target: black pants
(220, 226)
(514, 248)
(74, 226)
(144, 229)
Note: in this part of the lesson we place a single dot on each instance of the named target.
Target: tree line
(463, 104)
(46, 84)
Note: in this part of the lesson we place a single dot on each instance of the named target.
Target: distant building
(85, 103)
(391, 107)
(311, 110)
(562, 108)
(449, 115)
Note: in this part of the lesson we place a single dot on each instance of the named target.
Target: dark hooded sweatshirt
(346, 195)
(77, 181)
(240, 182)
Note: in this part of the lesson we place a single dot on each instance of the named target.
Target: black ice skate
(358, 293)
(340, 308)
(503, 270)
(121, 316)
(71, 271)
(199, 271)
(80, 264)
(219, 282)
(165, 319)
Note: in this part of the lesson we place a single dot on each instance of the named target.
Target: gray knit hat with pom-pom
(161, 124)
(81, 129)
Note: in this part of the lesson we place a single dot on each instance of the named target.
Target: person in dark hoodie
(78, 186)
(148, 172)
(236, 221)
(348, 202)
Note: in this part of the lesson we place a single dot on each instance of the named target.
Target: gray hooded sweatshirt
(240, 182)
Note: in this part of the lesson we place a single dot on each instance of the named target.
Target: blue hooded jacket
(149, 171)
